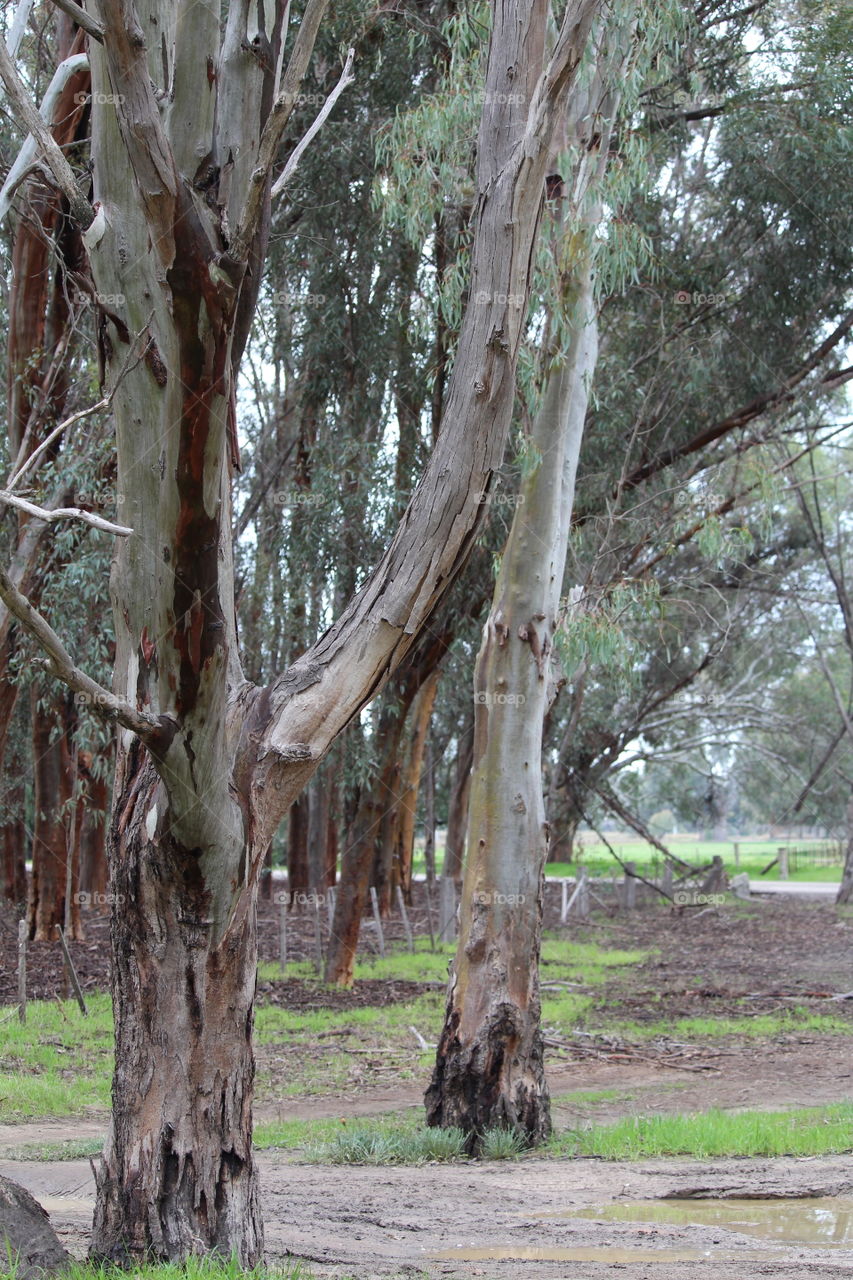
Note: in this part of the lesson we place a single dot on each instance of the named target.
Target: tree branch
(274, 130)
(83, 19)
(30, 120)
(61, 664)
(296, 155)
(52, 514)
(769, 400)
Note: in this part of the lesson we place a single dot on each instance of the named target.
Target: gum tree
(489, 1067)
(190, 103)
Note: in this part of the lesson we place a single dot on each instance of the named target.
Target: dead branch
(299, 150)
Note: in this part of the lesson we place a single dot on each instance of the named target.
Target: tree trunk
(318, 825)
(360, 851)
(14, 859)
(178, 1175)
(298, 879)
(457, 811)
(429, 811)
(46, 907)
(410, 784)
(489, 1069)
(92, 828)
(845, 889)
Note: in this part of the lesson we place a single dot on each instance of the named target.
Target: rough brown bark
(298, 879)
(360, 850)
(14, 838)
(46, 907)
(178, 1161)
(410, 784)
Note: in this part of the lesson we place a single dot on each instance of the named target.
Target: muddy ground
(449, 1220)
(361, 1222)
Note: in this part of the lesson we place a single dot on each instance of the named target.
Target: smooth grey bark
(489, 1069)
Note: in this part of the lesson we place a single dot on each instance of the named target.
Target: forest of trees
(421, 415)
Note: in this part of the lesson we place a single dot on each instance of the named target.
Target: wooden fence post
(377, 919)
(629, 887)
(282, 932)
(401, 902)
(22, 970)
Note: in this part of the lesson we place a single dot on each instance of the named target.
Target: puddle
(819, 1223)
(601, 1253)
(822, 1223)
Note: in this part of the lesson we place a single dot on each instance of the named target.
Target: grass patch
(501, 1144)
(759, 1025)
(69, 1149)
(370, 1144)
(58, 1063)
(810, 1131)
(209, 1267)
(302, 1137)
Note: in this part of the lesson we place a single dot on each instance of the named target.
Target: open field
(807, 859)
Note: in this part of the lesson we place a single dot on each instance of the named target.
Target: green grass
(754, 857)
(811, 1131)
(367, 1144)
(762, 1024)
(70, 1149)
(402, 1138)
(209, 1267)
(58, 1063)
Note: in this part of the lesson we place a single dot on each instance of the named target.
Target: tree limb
(274, 130)
(769, 400)
(52, 514)
(83, 19)
(30, 120)
(296, 155)
(61, 664)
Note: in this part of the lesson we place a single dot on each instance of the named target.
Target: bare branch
(83, 19)
(62, 665)
(31, 121)
(274, 129)
(346, 79)
(51, 515)
(29, 152)
(781, 394)
(26, 460)
(29, 461)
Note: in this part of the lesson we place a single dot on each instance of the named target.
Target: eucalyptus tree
(489, 1067)
(187, 118)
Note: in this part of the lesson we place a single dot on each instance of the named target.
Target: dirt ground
(446, 1220)
(492, 1220)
